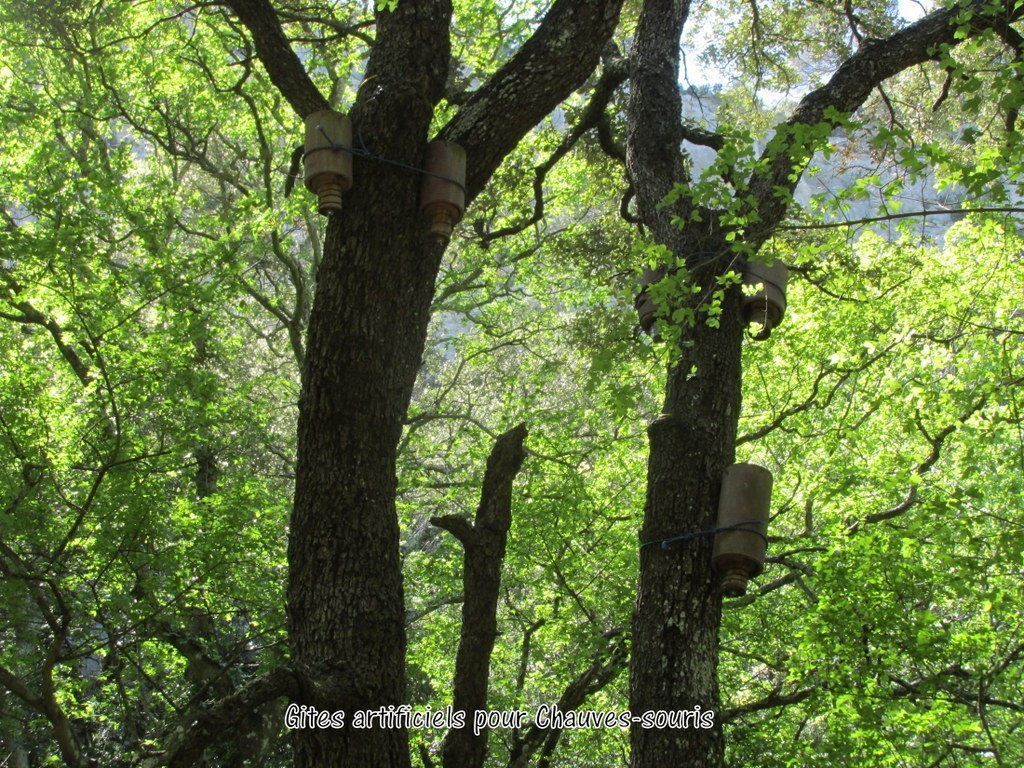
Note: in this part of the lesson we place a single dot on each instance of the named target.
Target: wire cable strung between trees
(667, 543)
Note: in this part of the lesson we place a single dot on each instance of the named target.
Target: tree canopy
(255, 461)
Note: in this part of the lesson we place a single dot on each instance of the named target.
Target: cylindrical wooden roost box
(646, 309)
(328, 158)
(743, 505)
(767, 305)
(443, 192)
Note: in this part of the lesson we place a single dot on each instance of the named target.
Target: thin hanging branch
(896, 216)
(593, 116)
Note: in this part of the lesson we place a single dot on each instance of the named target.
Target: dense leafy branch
(932, 688)
(848, 89)
(774, 700)
(812, 399)
(936, 443)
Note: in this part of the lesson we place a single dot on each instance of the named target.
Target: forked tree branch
(484, 543)
(812, 399)
(29, 315)
(936, 443)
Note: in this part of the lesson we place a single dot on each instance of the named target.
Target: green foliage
(898, 456)
(144, 496)
(155, 284)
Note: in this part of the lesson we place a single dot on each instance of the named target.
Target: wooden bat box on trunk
(328, 158)
(743, 506)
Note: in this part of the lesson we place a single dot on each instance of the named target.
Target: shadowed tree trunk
(366, 336)
(674, 659)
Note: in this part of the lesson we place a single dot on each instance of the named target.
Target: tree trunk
(366, 335)
(345, 597)
(674, 661)
(367, 330)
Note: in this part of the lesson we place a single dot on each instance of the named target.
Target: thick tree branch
(606, 140)
(559, 56)
(774, 700)
(283, 66)
(459, 527)
(17, 686)
(699, 136)
(32, 316)
(184, 746)
(46, 704)
(849, 88)
(484, 544)
(593, 117)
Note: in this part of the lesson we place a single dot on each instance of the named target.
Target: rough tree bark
(674, 657)
(484, 543)
(366, 335)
